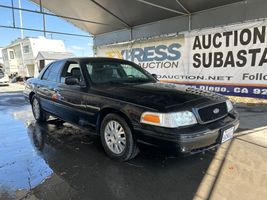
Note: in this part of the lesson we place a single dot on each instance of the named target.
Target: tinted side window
(72, 69)
(46, 73)
(53, 71)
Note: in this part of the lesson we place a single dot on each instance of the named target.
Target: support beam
(54, 15)
(42, 10)
(161, 7)
(189, 22)
(20, 21)
(13, 14)
(188, 13)
(111, 13)
(53, 32)
(182, 6)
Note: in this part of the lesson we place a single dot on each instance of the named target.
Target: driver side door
(72, 98)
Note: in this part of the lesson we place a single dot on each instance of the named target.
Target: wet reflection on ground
(60, 161)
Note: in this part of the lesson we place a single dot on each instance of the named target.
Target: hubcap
(36, 108)
(115, 137)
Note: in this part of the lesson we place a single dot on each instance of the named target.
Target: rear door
(47, 87)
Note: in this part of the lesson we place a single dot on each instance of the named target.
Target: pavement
(12, 87)
(61, 161)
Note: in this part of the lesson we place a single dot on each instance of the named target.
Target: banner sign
(230, 60)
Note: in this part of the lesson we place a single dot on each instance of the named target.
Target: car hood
(158, 95)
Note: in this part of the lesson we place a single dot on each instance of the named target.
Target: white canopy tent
(111, 21)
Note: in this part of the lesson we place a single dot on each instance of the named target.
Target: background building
(45, 57)
(19, 57)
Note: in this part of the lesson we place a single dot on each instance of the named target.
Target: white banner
(231, 60)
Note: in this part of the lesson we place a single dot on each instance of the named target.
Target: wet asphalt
(60, 161)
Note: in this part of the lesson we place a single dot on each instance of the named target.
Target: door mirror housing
(71, 81)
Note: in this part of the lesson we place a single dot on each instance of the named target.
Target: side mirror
(155, 76)
(71, 81)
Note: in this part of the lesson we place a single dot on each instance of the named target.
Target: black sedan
(126, 106)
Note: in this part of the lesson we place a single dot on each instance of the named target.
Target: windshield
(117, 72)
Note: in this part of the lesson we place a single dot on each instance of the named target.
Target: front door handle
(56, 90)
(58, 94)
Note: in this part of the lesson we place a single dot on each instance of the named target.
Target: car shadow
(80, 162)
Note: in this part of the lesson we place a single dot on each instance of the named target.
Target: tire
(117, 139)
(39, 114)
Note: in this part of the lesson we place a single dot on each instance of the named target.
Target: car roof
(84, 59)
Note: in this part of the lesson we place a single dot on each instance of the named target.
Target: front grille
(212, 112)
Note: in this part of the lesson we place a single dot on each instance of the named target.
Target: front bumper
(191, 139)
(26, 96)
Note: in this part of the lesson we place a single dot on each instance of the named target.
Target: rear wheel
(117, 138)
(39, 114)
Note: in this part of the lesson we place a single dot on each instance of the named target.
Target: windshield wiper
(115, 82)
(138, 80)
(128, 81)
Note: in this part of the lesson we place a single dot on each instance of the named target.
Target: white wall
(42, 44)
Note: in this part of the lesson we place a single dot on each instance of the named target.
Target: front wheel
(117, 138)
(39, 114)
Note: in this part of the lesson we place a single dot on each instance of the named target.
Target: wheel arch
(105, 111)
(31, 95)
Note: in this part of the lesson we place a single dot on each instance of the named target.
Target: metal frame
(161, 7)
(209, 18)
(111, 13)
(13, 13)
(182, 6)
(187, 19)
(53, 32)
(41, 11)
(187, 12)
(44, 24)
(51, 14)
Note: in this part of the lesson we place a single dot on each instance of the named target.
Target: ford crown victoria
(125, 105)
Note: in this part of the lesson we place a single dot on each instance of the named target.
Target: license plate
(227, 134)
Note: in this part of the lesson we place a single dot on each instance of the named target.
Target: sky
(79, 46)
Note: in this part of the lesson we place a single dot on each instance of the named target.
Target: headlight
(229, 105)
(170, 120)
